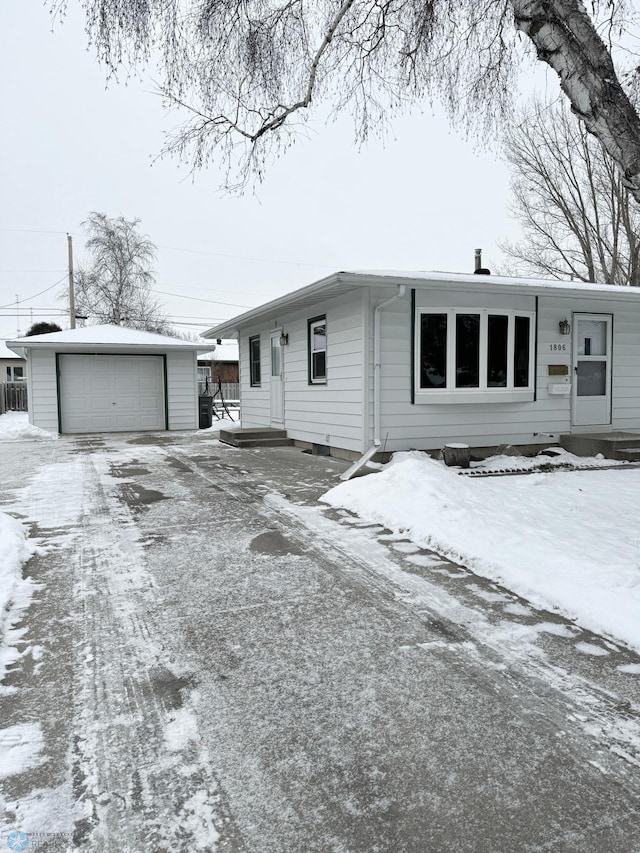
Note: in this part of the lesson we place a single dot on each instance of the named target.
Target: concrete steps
(612, 445)
(255, 437)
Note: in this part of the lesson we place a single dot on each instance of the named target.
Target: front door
(277, 385)
(591, 398)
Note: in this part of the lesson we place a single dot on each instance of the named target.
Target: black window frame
(255, 377)
(313, 378)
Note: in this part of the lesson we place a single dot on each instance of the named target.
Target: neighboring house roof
(224, 351)
(345, 282)
(6, 353)
(102, 338)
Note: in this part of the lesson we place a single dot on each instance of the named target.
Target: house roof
(105, 338)
(6, 353)
(348, 281)
(224, 351)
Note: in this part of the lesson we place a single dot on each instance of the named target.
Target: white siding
(43, 390)
(182, 390)
(428, 426)
(254, 399)
(182, 395)
(329, 414)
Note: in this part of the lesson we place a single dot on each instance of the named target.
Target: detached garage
(110, 379)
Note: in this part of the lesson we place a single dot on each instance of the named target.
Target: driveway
(214, 661)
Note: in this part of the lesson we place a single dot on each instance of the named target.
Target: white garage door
(111, 393)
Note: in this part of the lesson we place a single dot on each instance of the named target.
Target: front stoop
(255, 437)
(612, 445)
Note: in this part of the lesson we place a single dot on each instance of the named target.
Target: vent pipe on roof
(479, 269)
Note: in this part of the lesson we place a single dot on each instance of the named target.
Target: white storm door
(277, 384)
(111, 393)
(591, 397)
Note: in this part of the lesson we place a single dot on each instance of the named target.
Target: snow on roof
(5, 352)
(225, 351)
(347, 280)
(499, 280)
(105, 336)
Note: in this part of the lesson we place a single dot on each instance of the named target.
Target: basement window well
(466, 355)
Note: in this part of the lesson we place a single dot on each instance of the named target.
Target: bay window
(474, 355)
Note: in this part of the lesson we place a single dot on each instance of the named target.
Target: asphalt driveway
(214, 661)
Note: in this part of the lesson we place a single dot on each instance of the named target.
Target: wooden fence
(230, 391)
(13, 397)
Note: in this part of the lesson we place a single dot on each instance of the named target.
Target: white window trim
(484, 393)
(317, 380)
(204, 372)
(11, 377)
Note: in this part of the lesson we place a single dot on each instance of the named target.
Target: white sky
(423, 200)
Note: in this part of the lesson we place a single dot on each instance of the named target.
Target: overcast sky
(425, 199)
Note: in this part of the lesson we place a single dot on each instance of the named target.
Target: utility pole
(72, 298)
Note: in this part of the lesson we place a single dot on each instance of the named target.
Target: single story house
(110, 379)
(385, 361)
(13, 368)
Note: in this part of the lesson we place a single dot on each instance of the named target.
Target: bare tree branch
(246, 72)
(577, 216)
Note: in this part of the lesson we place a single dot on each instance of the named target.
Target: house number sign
(558, 347)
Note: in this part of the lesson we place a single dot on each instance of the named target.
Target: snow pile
(15, 592)
(554, 457)
(568, 541)
(15, 426)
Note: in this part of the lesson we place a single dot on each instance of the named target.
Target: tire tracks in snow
(142, 788)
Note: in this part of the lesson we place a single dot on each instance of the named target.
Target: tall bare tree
(578, 218)
(248, 70)
(114, 285)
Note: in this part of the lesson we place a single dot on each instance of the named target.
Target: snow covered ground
(273, 674)
(565, 540)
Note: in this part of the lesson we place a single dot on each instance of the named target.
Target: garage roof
(5, 352)
(105, 338)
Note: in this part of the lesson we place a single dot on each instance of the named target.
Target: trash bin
(206, 412)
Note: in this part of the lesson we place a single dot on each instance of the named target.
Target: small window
(204, 373)
(318, 350)
(15, 374)
(254, 360)
(276, 356)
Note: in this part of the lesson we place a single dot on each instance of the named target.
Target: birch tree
(578, 218)
(114, 285)
(247, 72)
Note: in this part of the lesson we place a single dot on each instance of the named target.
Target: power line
(31, 231)
(200, 299)
(29, 298)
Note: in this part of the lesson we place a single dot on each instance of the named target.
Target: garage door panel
(109, 393)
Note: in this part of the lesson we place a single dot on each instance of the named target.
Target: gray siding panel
(182, 390)
(313, 412)
(43, 390)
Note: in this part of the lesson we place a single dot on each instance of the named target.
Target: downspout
(377, 369)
